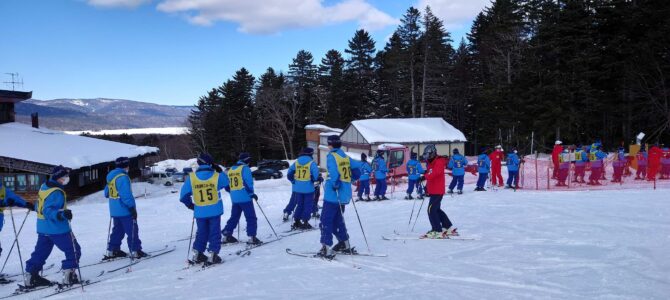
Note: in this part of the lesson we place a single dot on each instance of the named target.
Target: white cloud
(117, 3)
(272, 16)
(455, 13)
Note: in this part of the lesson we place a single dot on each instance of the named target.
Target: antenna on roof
(15, 81)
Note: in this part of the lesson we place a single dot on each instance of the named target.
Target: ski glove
(133, 212)
(190, 206)
(9, 202)
(65, 214)
(422, 178)
(30, 206)
(217, 168)
(253, 196)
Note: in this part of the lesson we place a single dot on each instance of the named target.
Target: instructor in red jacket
(434, 176)
(496, 157)
(558, 149)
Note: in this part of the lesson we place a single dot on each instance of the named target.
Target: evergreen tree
(359, 67)
(409, 32)
(331, 81)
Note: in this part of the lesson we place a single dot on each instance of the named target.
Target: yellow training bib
(592, 156)
(302, 172)
(578, 156)
(205, 192)
(3, 194)
(42, 196)
(235, 177)
(111, 186)
(343, 167)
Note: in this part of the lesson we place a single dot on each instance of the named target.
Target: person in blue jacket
(201, 194)
(123, 212)
(513, 162)
(7, 199)
(457, 165)
(303, 174)
(337, 194)
(483, 165)
(414, 171)
(53, 228)
(241, 189)
(379, 168)
(364, 181)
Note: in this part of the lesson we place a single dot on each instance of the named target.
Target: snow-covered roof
(389, 146)
(410, 130)
(321, 127)
(51, 147)
(329, 133)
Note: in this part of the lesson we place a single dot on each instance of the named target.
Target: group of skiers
(592, 157)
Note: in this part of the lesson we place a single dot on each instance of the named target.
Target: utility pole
(15, 81)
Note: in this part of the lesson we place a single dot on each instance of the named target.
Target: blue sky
(174, 51)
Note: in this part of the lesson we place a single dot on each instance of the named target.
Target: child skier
(303, 174)
(414, 171)
(200, 193)
(581, 158)
(364, 181)
(457, 165)
(53, 228)
(337, 194)
(513, 170)
(441, 226)
(596, 156)
(7, 199)
(484, 165)
(618, 165)
(241, 189)
(496, 157)
(641, 158)
(123, 212)
(380, 170)
(563, 167)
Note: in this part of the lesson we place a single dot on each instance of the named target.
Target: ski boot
(34, 280)
(409, 197)
(460, 192)
(368, 198)
(315, 215)
(452, 231)
(326, 253)
(377, 198)
(296, 225)
(70, 277)
(254, 241)
(420, 197)
(139, 254)
(306, 226)
(112, 254)
(229, 239)
(285, 217)
(384, 198)
(198, 258)
(359, 199)
(343, 247)
(450, 192)
(213, 258)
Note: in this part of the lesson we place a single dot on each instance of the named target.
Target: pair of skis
(397, 236)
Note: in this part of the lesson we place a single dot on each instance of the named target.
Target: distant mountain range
(100, 114)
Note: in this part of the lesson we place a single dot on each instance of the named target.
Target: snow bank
(178, 164)
(411, 130)
(53, 147)
(162, 130)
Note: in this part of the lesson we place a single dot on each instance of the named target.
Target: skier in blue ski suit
(484, 165)
(379, 168)
(201, 193)
(7, 199)
(123, 212)
(457, 165)
(414, 171)
(513, 169)
(53, 228)
(337, 194)
(364, 181)
(241, 191)
(303, 174)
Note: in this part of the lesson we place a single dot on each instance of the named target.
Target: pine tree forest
(574, 70)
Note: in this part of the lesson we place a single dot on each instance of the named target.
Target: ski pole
(74, 248)
(16, 240)
(109, 232)
(190, 238)
(361, 224)
(418, 212)
(18, 247)
(266, 219)
(411, 215)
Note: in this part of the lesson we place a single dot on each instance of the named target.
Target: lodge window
(23, 182)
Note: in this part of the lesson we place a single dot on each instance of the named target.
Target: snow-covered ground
(529, 245)
(160, 130)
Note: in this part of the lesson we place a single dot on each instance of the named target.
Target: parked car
(179, 177)
(160, 178)
(266, 173)
(170, 171)
(273, 163)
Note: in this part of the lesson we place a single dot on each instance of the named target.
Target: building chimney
(35, 120)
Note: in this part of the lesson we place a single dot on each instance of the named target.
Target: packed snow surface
(410, 130)
(53, 147)
(528, 245)
(161, 130)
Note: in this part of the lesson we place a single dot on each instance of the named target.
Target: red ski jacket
(496, 158)
(558, 149)
(435, 176)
